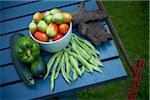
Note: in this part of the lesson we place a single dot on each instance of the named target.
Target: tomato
(54, 11)
(41, 36)
(57, 37)
(37, 17)
(58, 18)
(63, 28)
(43, 13)
(32, 27)
(52, 30)
(42, 26)
(67, 17)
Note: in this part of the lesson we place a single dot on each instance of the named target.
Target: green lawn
(131, 21)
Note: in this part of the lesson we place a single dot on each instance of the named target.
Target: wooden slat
(8, 74)
(22, 23)
(31, 8)
(104, 48)
(105, 52)
(5, 38)
(114, 70)
(10, 4)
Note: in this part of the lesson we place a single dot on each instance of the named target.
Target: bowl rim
(51, 42)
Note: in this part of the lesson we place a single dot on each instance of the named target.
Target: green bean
(52, 82)
(75, 65)
(68, 65)
(59, 66)
(86, 48)
(53, 71)
(94, 61)
(85, 42)
(75, 75)
(50, 63)
(101, 64)
(86, 69)
(63, 70)
(57, 73)
(81, 59)
(83, 53)
(97, 52)
(97, 68)
(79, 50)
(88, 44)
(98, 62)
(74, 47)
(82, 69)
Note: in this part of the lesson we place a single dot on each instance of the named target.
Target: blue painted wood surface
(25, 10)
(114, 69)
(8, 74)
(7, 4)
(105, 54)
(22, 23)
(104, 48)
(18, 24)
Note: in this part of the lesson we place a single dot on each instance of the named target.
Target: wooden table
(15, 17)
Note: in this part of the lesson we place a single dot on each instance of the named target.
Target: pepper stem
(28, 51)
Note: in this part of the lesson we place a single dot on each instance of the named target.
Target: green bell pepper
(27, 50)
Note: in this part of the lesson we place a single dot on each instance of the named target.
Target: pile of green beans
(67, 61)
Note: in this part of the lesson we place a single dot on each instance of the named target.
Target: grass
(130, 19)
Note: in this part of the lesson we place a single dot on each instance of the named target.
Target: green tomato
(37, 17)
(58, 18)
(52, 30)
(42, 26)
(47, 13)
(32, 27)
(55, 10)
(48, 19)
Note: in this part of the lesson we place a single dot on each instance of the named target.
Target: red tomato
(63, 28)
(43, 13)
(57, 37)
(52, 30)
(67, 17)
(41, 36)
(38, 16)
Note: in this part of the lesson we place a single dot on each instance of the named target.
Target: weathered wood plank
(8, 74)
(31, 8)
(105, 49)
(105, 54)
(22, 23)
(108, 50)
(9, 4)
(114, 70)
(5, 38)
